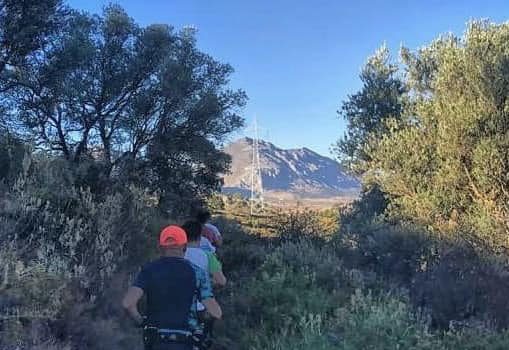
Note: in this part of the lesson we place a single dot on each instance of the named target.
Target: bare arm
(219, 279)
(130, 303)
(213, 307)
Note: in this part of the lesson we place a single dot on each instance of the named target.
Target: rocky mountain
(298, 172)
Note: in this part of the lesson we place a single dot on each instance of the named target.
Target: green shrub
(295, 224)
(463, 286)
(292, 296)
(308, 293)
(309, 335)
(397, 252)
(62, 246)
(70, 231)
(245, 252)
(280, 295)
(382, 323)
(473, 339)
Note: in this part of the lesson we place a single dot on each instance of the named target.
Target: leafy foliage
(367, 112)
(448, 167)
(24, 25)
(62, 247)
(143, 102)
(444, 162)
(305, 294)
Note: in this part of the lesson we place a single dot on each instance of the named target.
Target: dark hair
(193, 230)
(203, 216)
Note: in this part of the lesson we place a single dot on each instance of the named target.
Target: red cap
(172, 236)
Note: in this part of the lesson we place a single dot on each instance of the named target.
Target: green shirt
(214, 263)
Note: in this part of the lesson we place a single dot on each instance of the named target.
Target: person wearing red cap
(173, 287)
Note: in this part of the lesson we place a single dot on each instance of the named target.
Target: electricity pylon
(257, 202)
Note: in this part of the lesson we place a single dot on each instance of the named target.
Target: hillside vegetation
(309, 292)
(110, 130)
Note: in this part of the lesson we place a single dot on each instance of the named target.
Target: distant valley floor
(292, 200)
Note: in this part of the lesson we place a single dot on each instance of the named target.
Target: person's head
(193, 230)
(203, 216)
(173, 241)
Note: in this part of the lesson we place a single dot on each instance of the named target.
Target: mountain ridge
(300, 172)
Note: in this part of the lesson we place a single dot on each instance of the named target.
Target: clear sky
(298, 60)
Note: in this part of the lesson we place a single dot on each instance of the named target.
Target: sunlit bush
(61, 247)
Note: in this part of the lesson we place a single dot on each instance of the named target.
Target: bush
(455, 282)
(292, 294)
(280, 294)
(70, 231)
(463, 287)
(303, 297)
(245, 252)
(293, 225)
(397, 252)
(11, 155)
(62, 245)
(29, 296)
(394, 250)
(388, 322)
(382, 323)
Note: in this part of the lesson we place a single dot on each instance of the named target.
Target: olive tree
(142, 101)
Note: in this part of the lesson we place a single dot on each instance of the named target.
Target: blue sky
(298, 60)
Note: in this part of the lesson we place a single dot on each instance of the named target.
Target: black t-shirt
(172, 286)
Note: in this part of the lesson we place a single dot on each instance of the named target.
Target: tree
(24, 25)
(448, 166)
(380, 99)
(144, 101)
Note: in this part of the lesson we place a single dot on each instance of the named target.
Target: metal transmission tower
(257, 203)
